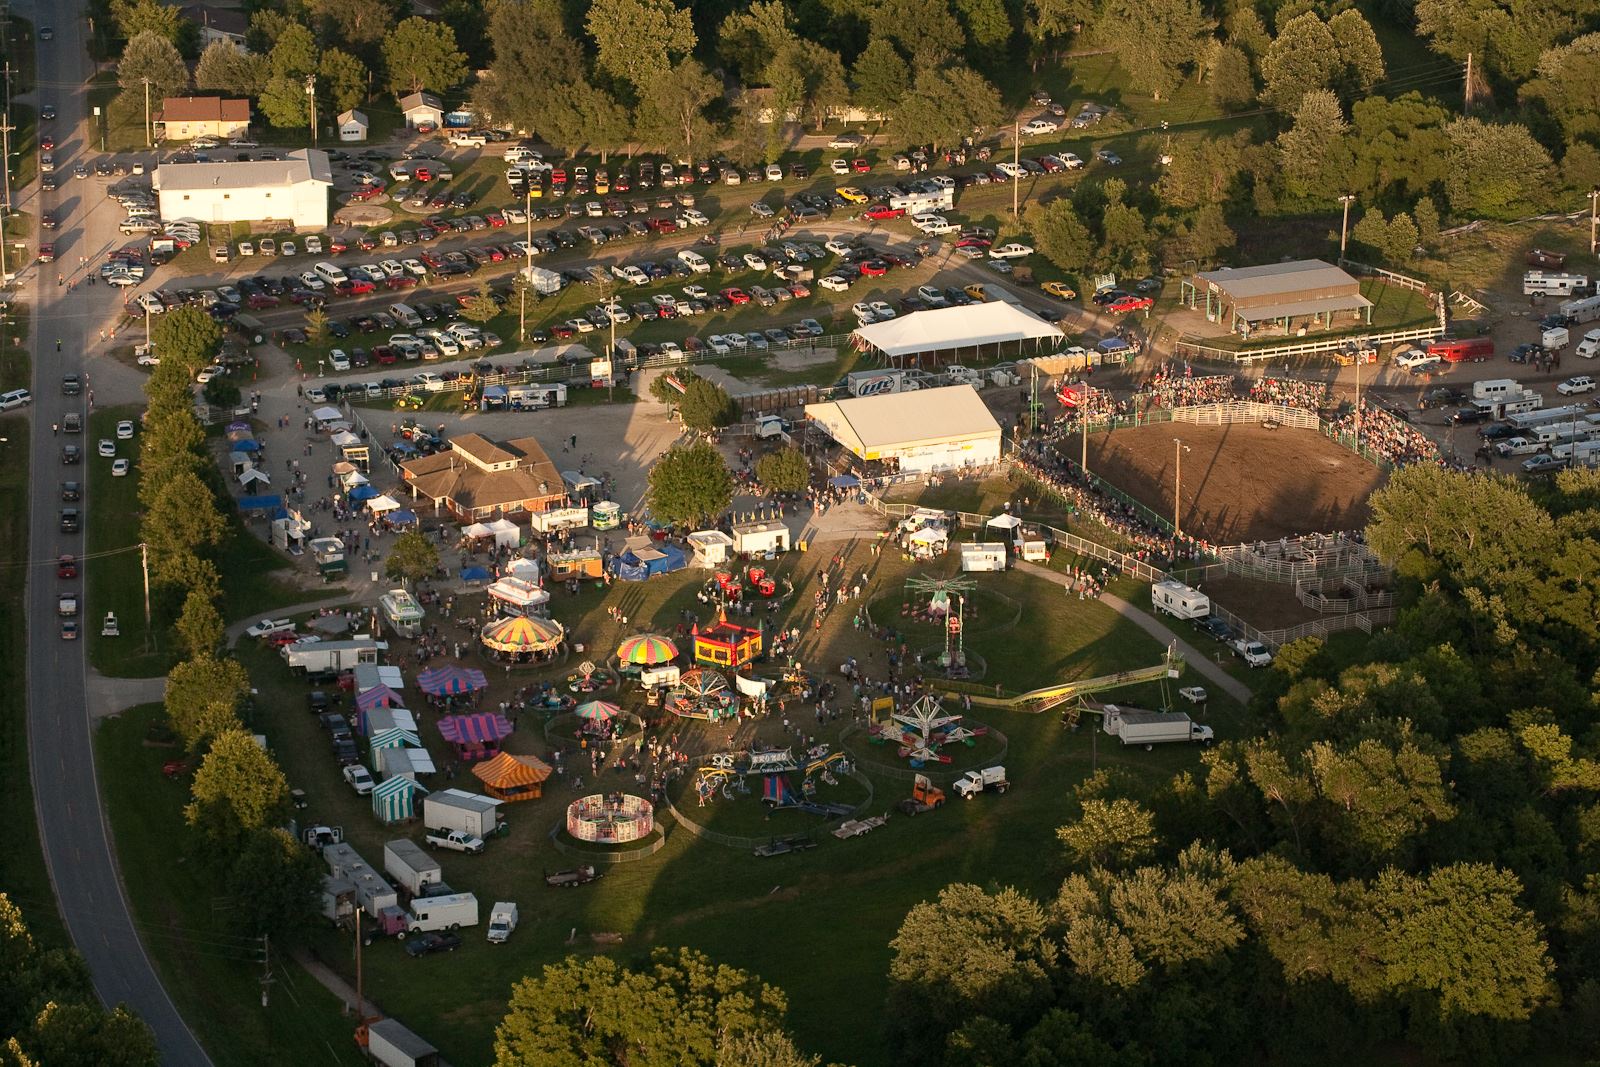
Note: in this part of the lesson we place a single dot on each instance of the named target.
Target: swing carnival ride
(924, 729)
(947, 598)
(725, 773)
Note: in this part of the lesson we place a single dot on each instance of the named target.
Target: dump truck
(1135, 726)
(990, 779)
(925, 796)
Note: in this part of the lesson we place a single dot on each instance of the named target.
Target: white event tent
(953, 329)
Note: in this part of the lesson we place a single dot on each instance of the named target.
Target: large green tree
(203, 698)
(880, 76)
(277, 883)
(422, 54)
(690, 485)
(226, 68)
(672, 108)
(637, 40)
(134, 17)
(413, 557)
(1504, 37)
(785, 471)
(684, 1010)
(238, 791)
(945, 104)
(150, 59)
(706, 406)
(1060, 235)
(186, 336)
(1158, 41)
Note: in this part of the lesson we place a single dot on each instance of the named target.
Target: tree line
(1404, 849)
(240, 797)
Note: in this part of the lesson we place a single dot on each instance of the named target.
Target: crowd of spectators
(1292, 392)
(1396, 441)
(1172, 387)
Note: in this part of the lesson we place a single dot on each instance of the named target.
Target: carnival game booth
(511, 778)
(402, 612)
(606, 515)
(395, 799)
(524, 638)
(517, 596)
(442, 683)
(579, 563)
(648, 559)
(928, 542)
(475, 737)
(381, 720)
(726, 644)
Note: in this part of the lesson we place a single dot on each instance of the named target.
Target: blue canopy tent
(267, 502)
(362, 492)
(474, 574)
(403, 517)
(246, 445)
(844, 481)
(635, 565)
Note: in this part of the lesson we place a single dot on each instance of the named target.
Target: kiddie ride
(725, 773)
(731, 586)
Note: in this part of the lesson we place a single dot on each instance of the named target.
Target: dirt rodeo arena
(1242, 482)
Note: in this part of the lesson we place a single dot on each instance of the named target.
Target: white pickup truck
(1252, 652)
(456, 840)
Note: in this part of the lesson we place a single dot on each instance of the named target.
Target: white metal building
(924, 430)
(294, 189)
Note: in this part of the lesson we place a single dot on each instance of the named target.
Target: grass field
(115, 579)
(212, 973)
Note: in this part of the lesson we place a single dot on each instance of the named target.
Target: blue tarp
(402, 517)
(844, 481)
(662, 558)
(1112, 344)
(474, 574)
(362, 492)
(260, 503)
(246, 446)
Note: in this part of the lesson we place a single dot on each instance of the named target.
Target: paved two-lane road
(66, 793)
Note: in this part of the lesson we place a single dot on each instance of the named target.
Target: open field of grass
(115, 579)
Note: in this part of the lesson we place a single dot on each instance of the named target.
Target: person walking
(58, 344)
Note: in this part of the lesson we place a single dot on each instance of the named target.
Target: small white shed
(760, 538)
(353, 126)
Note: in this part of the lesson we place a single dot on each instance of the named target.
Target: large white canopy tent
(952, 329)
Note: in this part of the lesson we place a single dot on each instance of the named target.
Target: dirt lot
(1241, 483)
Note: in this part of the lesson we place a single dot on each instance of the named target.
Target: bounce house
(726, 644)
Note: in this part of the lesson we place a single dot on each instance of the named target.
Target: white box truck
(410, 866)
(875, 382)
(1135, 726)
(1178, 600)
(450, 912)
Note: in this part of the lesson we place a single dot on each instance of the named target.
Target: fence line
(632, 855)
(705, 833)
(1246, 411)
(1185, 348)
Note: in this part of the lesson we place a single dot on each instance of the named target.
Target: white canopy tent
(254, 476)
(380, 504)
(476, 530)
(345, 439)
(525, 569)
(327, 414)
(949, 329)
(506, 533)
(352, 479)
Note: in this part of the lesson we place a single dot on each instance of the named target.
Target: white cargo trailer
(1179, 600)
(1135, 726)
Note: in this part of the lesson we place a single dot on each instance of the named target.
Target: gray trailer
(372, 892)
(1135, 726)
(409, 864)
(393, 1045)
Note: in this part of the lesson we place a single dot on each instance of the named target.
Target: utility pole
(311, 91)
(1594, 198)
(527, 279)
(266, 968)
(1178, 449)
(1466, 94)
(149, 129)
(144, 566)
(1016, 162)
(6, 129)
(1360, 352)
(1344, 227)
